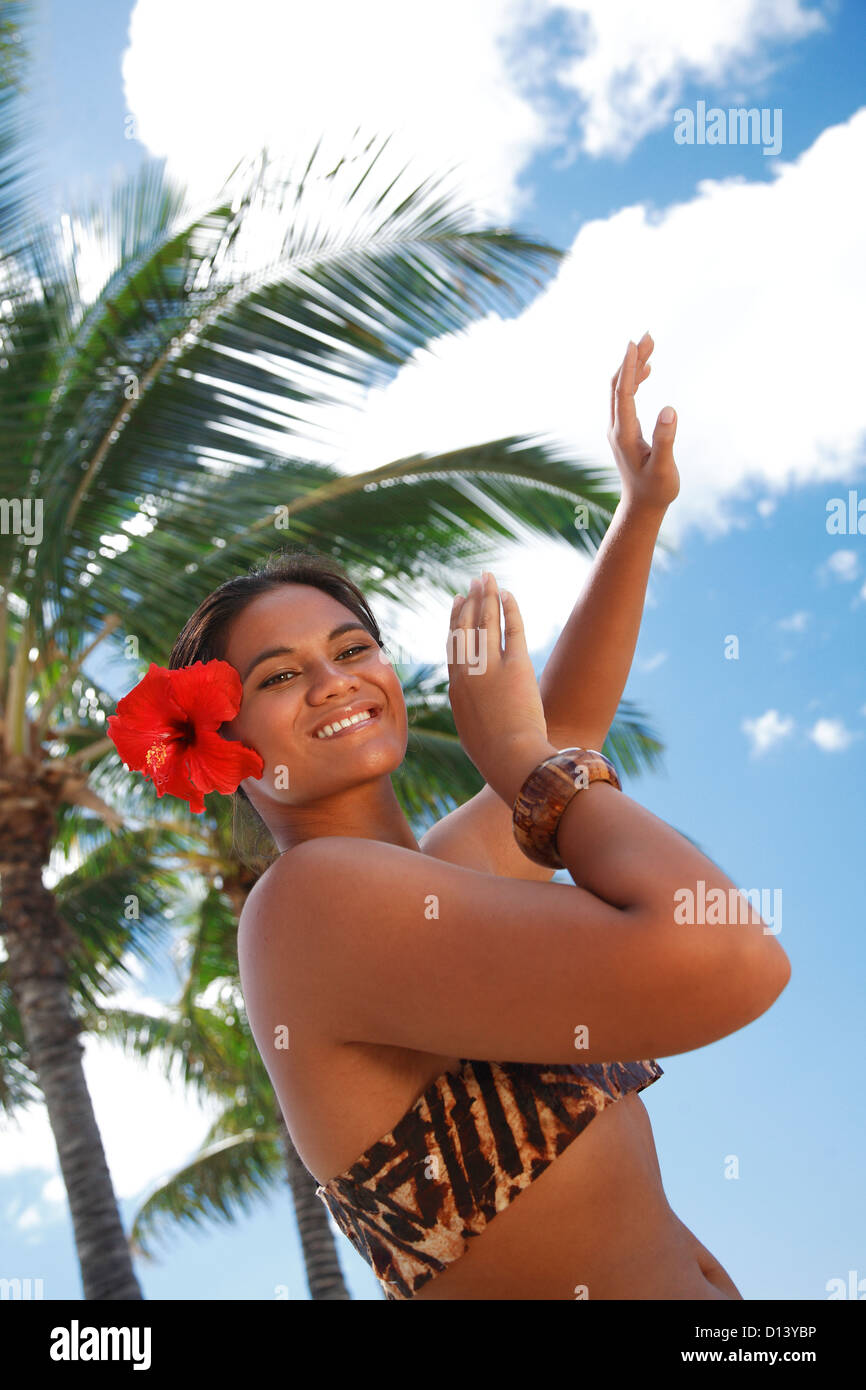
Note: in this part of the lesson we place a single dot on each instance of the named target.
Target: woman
(386, 980)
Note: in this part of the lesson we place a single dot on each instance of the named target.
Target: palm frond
(230, 349)
(407, 530)
(16, 139)
(631, 745)
(18, 1085)
(196, 1044)
(224, 1181)
(118, 901)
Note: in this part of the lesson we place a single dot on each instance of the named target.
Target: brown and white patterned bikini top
(473, 1141)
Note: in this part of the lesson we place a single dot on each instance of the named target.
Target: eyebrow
(285, 651)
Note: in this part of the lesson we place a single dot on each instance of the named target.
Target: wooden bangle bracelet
(539, 804)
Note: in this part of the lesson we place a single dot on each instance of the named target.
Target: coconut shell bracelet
(539, 804)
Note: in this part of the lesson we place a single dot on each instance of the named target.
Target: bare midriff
(594, 1225)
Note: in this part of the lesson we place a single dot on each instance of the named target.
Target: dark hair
(205, 636)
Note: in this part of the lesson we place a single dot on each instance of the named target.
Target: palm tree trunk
(37, 942)
(324, 1276)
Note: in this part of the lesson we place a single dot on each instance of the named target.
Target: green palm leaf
(222, 348)
(226, 1179)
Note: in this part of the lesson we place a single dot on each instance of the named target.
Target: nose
(330, 678)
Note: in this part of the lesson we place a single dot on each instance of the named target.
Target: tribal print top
(471, 1143)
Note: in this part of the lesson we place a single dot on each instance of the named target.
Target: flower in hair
(166, 727)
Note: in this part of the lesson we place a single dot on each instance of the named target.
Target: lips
(361, 707)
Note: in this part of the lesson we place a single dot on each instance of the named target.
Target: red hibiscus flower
(166, 727)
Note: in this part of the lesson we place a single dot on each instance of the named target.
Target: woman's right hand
(493, 690)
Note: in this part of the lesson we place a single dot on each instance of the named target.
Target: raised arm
(585, 675)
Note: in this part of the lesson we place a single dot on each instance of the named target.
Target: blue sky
(748, 270)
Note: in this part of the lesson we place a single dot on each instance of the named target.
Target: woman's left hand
(649, 474)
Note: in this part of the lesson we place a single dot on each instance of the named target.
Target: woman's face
(289, 695)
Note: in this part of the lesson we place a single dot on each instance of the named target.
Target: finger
(624, 422)
(644, 352)
(642, 371)
(489, 619)
(461, 638)
(515, 636)
(453, 622)
(664, 435)
(468, 616)
(628, 365)
(457, 603)
(467, 642)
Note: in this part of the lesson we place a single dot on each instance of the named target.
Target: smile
(348, 726)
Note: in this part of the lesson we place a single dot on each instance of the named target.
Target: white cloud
(233, 78)
(767, 730)
(766, 506)
(844, 565)
(725, 257)
(638, 58)
(796, 623)
(653, 662)
(28, 1219)
(831, 735)
(483, 86)
(53, 1190)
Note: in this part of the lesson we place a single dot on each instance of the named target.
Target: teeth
(330, 729)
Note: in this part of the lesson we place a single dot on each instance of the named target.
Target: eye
(275, 679)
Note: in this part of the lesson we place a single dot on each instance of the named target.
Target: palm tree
(157, 422)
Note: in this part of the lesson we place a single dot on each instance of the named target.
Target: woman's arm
(580, 688)
(387, 946)
(582, 683)
(584, 678)
(586, 672)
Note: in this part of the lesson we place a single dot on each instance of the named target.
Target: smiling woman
(438, 995)
(404, 973)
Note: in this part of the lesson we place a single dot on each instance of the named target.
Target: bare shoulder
(331, 929)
